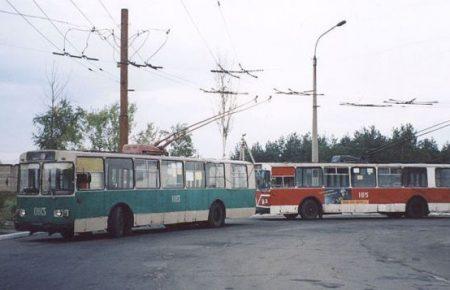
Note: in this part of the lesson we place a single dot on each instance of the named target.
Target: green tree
(103, 127)
(183, 145)
(368, 143)
(148, 136)
(61, 125)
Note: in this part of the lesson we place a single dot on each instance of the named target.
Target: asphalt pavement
(337, 252)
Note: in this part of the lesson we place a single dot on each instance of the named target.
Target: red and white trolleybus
(313, 189)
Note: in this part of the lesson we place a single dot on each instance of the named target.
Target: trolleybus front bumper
(43, 227)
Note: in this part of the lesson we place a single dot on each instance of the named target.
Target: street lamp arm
(317, 41)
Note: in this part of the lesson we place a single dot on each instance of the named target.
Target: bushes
(7, 209)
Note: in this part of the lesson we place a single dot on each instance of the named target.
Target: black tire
(117, 223)
(309, 209)
(67, 234)
(291, 216)
(416, 208)
(216, 217)
(394, 215)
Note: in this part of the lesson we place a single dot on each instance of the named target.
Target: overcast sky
(387, 49)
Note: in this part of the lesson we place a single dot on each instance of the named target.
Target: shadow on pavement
(57, 239)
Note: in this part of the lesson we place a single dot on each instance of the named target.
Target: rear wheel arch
(319, 203)
(306, 201)
(217, 213)
(219, 201)
(128, 216)
(417, 207)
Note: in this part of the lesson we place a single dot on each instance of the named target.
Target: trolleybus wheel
(291, 216)
(116, 222)
(309, 209)
(416, 208)
(216, 217)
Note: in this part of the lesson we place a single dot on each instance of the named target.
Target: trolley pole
(123, 119)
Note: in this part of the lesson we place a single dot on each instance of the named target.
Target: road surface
(257, 253)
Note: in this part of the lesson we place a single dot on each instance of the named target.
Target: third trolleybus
(311, 190)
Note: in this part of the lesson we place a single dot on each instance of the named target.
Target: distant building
(8, 178)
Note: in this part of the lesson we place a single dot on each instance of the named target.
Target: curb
(14, 236)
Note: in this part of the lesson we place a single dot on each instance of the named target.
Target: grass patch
(8, 204)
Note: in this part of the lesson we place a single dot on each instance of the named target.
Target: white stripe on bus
(101, 223)
(359, 208)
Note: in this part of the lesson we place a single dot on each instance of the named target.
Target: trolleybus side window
(215, 175)
(29, 178)
(262, 179)
(119, 173)
(195, 174)
(283, 181)
(147, 174)
(414, 177)
(389, 177)
(442, 177)
(309, 177)
(364, 177)
(172, 174)
(90, 173)
(336, 177)
(57, 178)
(239, 176)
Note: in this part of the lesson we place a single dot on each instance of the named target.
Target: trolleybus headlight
(21, 212)
(61, 213)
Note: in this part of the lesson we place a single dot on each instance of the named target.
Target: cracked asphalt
(337, 252)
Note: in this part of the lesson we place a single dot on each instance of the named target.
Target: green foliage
(183, 145)
(60, 127)
(147, 136)
(367, 143)
(7, 208)
(102, 129)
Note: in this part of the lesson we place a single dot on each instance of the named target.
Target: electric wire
(170, 77)
(45, 37)
(70, 43)
(227, 30)
(419, 133)
(216, 61)
(185, 132)
(108, 12)
(92, 24)
(33, 26)
(40, 18)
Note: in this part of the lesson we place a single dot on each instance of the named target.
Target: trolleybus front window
(29, 178)
(57, 178)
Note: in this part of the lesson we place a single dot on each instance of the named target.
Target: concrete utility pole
(123, 119)
(315, 141)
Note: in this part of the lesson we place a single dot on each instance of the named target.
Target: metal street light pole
(315, 142)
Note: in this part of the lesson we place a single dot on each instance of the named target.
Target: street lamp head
(341, 23)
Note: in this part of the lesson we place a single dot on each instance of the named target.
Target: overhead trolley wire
(71, 44)
(219, 6)
(44, 36)
(107, 12)
(41, 18)
(33, 26)
(216, 61)
(419, 133)
(93, 25)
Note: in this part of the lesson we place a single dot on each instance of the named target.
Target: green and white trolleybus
(72, 192)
